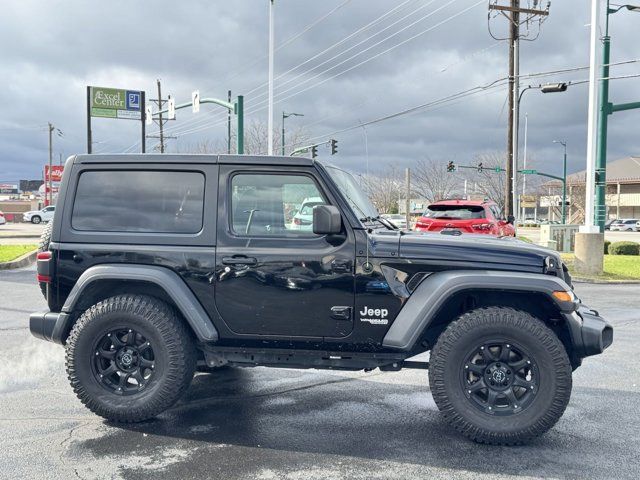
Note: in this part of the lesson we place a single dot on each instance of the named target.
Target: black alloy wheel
(130, 357)
(499, 378)
(123, 362)
(500, 375)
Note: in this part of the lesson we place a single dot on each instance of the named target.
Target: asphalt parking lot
(277, 423)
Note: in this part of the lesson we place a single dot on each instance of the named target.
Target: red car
(468, 216)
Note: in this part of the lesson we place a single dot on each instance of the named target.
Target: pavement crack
(71, 432)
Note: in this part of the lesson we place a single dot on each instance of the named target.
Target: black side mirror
(511, 219)
(326, 220)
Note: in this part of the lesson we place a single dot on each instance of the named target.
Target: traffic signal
(451, 167)
(334, 147)
(314, 151)
(480, 167)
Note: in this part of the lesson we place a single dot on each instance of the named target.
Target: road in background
(302, 424)
(533, 234)
(20, 233)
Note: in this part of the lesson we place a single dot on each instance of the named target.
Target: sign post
(115, 103)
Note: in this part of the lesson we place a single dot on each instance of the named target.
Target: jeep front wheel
(36, 219)
(500, 376)
(129, 358)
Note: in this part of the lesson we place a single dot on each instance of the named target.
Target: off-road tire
(174, 352)
(544, 348)
(36, 219)
(43, 246)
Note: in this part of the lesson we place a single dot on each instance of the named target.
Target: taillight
(43, 259)
(422, 224)
(482, 226)
(296, 221)
(1, 214)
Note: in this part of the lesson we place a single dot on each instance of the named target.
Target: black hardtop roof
(190, 158)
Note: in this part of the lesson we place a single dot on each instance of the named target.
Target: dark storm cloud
(52, 50)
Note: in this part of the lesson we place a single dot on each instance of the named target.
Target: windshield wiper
(382, 221)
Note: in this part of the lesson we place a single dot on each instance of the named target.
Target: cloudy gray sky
(367, 59)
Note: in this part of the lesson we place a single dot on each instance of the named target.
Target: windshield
(454, 211)
(352, 192)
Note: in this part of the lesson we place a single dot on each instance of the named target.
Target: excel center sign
(115, 103)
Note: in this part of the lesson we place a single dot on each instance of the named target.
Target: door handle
(341, 313)
(239, 260)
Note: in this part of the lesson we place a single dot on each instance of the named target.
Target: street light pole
(605, 109)
(287, 115)
(592, 127)
(546, 88)
(564, 181)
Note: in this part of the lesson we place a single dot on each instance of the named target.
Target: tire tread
(490, 317)
(181, 355)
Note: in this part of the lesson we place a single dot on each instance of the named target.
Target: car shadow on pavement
(294, 412)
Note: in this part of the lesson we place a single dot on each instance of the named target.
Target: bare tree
(430, 180)
(255, 141)
(385, 188)
(488, 181)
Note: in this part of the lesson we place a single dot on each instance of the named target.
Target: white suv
(37, 216)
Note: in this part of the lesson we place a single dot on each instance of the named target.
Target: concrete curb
(605, 282)
(20, 235)
(20, 262)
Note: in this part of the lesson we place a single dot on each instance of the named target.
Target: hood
(466, 249)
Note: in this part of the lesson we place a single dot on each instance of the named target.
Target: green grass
(616, 267)
(11, 252)
(524, 239)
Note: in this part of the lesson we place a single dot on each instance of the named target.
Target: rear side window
(139, 201)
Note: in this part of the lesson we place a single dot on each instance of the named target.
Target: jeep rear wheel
(129, 358)
(500, 376)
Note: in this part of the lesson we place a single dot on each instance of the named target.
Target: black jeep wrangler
(158, 265)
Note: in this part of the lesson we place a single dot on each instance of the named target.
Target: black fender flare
(166, 279)
(424, 303)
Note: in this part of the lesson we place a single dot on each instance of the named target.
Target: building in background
(622, 199)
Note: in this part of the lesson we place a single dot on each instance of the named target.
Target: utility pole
(512, 12)
(160, 117)
(514, 46)
(160, 120)
(51, 129)
(524, 164)
(229, 124)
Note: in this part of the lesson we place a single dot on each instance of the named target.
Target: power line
(373, 46)
(258, 108)
(331, 47)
